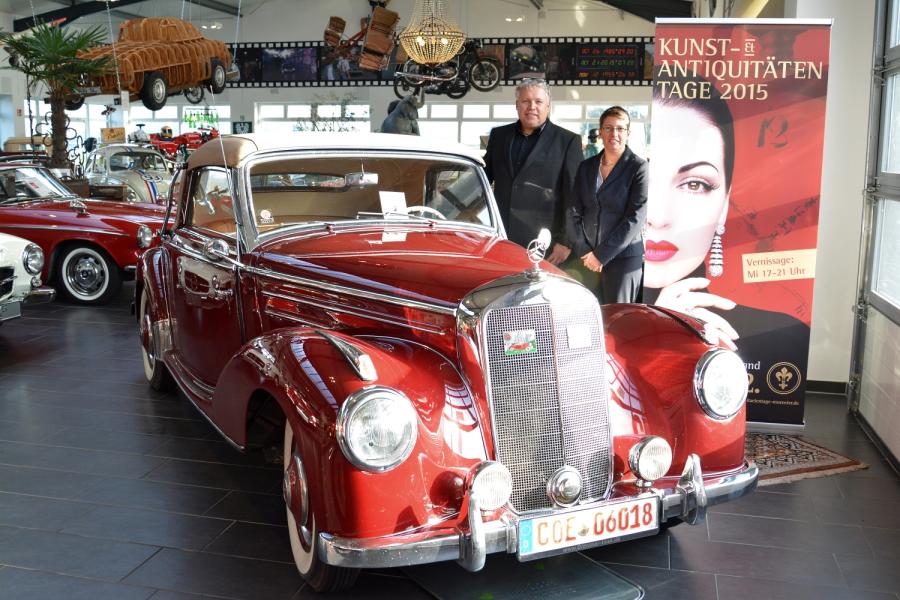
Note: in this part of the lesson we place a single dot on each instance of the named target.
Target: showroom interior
(110, 489)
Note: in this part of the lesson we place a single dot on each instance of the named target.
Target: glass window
(357, 111)
(271, 111)
(476, 111)
(329, 111)
(894, 35)
(887, 253)
(505, 111)
(565, 111)
(890, 142)
(443, 111)
(472, 132)
(212, 206)
(298, 111)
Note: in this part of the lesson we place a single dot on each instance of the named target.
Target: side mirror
(216, 250)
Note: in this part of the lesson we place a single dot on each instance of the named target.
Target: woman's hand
(684, 297)
(591, 263)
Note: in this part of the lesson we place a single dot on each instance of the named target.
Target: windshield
(135, 161)
(29, 183)
(302, 190)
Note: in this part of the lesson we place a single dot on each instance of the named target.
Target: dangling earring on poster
(716, 255)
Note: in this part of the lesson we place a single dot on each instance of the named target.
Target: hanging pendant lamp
(431, 37)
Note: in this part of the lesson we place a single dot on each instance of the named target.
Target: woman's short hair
(617, 112)
(530, 82)
(714, 109)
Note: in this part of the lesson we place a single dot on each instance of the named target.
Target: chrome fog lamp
(35, 282)
(650, 459)
(144, 236)
(491, 486)
(720, 383)
(33, 259)
(376, 428)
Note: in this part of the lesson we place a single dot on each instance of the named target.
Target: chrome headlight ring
(33, 259)
(144, 236)
(720, 383)
(376, 428)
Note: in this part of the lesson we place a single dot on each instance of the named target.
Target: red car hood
(438, 265)
(112, 214)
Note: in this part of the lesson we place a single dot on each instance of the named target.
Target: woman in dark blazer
(610, 210)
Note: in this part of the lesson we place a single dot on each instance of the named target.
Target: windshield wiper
(397, 213)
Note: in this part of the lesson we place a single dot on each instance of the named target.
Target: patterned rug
(785, 458)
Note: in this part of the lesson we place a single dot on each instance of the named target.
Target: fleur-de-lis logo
(784, 377)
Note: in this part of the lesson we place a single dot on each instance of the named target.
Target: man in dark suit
(532, 165)
(609, 212)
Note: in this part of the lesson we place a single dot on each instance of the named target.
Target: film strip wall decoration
(571, 61)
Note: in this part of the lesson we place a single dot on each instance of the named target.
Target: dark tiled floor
(109, 490)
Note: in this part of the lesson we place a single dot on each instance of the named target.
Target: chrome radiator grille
(549, 404)
(6, 280)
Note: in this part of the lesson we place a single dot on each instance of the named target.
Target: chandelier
(431, 37)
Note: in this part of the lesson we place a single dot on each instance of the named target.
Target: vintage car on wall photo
(434, 392)
(89, 246)
(141, 169)
(21, 263)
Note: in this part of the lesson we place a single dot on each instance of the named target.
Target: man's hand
(558, 254)
(591, 263)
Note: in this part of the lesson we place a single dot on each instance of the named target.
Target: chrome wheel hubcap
(85, 275)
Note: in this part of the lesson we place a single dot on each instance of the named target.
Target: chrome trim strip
(341, 289)
(421, 547)
(196, 387)
(283, 315)
(355, 312)
(77, 229)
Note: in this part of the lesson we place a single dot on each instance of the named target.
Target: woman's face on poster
(688, 195)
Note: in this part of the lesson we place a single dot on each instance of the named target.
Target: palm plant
(49, 55)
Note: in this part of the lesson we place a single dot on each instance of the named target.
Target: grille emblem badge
(564, 486)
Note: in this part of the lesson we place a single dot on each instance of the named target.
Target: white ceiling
(149, 8)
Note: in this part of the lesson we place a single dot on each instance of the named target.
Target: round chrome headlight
(144, 236)
(33, 259)
(491, 485)
(650, 458)
(720, 383)
(376, 428)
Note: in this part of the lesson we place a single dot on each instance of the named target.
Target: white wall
(843, 180)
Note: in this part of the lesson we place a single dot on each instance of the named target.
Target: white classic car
(142, 169)
(20, 276)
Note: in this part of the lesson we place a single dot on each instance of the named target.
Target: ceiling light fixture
(431, 37)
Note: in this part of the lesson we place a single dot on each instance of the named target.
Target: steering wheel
(421, 208)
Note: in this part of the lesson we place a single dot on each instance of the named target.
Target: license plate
(10, 310)
(88, 89)
(543, 536)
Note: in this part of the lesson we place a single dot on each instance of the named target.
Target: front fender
(651, 359)
(310, 379)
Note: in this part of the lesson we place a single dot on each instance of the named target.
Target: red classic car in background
(436, 393)
(186, 142)
(90, 246)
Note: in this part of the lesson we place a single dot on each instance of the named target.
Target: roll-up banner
(737, 127)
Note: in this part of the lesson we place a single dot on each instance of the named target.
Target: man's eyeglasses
(609, 129)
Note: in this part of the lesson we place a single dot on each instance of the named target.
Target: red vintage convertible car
(90, 245)
(435, 392)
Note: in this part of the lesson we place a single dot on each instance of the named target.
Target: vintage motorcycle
(454, 78)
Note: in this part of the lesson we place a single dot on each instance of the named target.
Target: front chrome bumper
(40, 295)
(687, 500)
